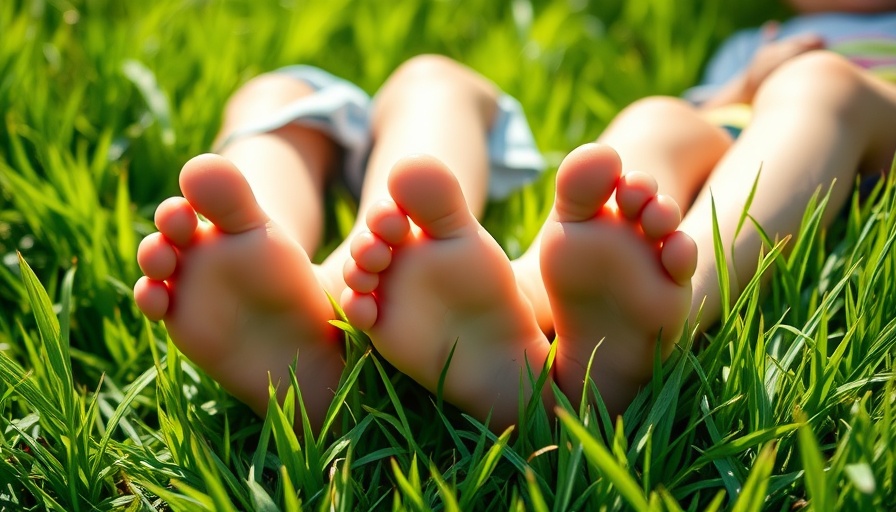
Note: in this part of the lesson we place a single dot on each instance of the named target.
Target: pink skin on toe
(238, 296)
(617, 274)
(419, 289)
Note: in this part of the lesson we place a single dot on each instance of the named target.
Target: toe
(660, 217)
(360, 309)
(156, 257)
(585, 182)
(370, 252)
(217, 190)
(634, 191)
(359, 279)
(177, 220)
(679, 257)
(388, 222)
(152, 298)
(431, 196)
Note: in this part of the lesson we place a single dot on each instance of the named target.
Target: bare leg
(286, 168)
(668, 139)
(419, 289)
(431, 105)
(264, 201)
(664, 137)
(817, 120)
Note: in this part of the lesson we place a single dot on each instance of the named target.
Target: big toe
(585, 181)
(219, 191)
(431, 196)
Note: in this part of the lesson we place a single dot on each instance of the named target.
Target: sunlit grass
(789, 405)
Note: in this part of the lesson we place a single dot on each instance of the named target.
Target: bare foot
(617, 273)
(418, 292)
(238, 296)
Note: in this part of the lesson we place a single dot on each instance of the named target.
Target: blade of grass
(752, 497)
(602, 459)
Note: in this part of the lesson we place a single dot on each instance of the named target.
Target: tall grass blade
(603, 460)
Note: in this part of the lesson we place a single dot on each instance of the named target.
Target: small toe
(177, 220)
(371, 253)
(431, 196)
(585, 181)
(360, 309)
(156, 257)
(359, 279)
(660, 217)
(152, 298)
(388, 222)
(634, 191)
(679, 257)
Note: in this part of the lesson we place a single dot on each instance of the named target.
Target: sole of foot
(239, 297)
(617, 272)
(428, 279)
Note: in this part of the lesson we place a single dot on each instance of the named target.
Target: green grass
(791, 405)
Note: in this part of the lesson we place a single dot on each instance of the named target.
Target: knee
(434, 76)
(264, 95)
(821, 79)
(428, 69)
(654, 107)
(653, 116)
(428, 79)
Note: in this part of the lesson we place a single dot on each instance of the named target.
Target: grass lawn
(789, 404)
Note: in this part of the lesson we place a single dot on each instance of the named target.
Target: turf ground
(789, 406)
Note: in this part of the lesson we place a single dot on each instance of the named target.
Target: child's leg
(670, 140)
(287, 168)
(430, 105)
(434, 106)
(238, 294)
(664, 137)
(418, 290)
(817, 119)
